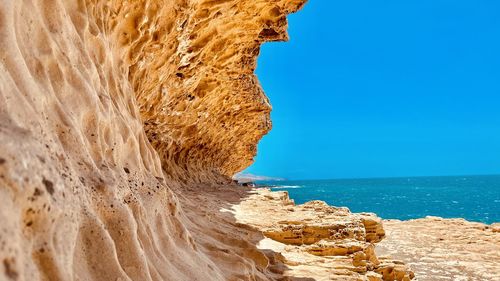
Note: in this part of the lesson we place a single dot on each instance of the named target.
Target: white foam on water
(287, 186)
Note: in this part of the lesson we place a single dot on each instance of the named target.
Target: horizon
(269, 179)
(355, 95)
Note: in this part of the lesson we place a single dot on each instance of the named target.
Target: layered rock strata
(320, 241)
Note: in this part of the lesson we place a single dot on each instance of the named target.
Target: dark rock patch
(49, 186)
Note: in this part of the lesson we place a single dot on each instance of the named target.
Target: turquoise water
(475, 198)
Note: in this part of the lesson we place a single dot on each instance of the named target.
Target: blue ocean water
(475, 198)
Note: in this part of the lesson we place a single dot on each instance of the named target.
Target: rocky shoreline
(330, 243)
(320, 241)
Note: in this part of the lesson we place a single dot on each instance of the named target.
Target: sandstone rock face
(105, 107)
(320, 241)
(112, 114)
(191, 66)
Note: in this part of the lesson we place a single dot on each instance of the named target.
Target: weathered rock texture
(319, 241)
(191, 66)
(104, 107)
(112, 114)
(445, 249)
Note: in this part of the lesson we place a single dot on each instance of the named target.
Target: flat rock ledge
(317, 241)
(440, 249)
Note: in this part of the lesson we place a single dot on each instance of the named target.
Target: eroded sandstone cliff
(120, 124)
(191, 66)
(106, 107)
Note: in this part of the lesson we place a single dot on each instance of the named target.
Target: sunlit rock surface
(191, 66)
(445, 249)
(319, 241)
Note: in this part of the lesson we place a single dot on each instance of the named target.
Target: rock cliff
(121, 123)
(191, 67)
(106, 109)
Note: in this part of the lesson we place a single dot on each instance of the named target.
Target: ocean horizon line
(378, 177)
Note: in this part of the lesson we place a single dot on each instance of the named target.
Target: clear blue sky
(384, 88)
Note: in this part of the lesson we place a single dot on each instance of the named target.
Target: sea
(475, 198)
